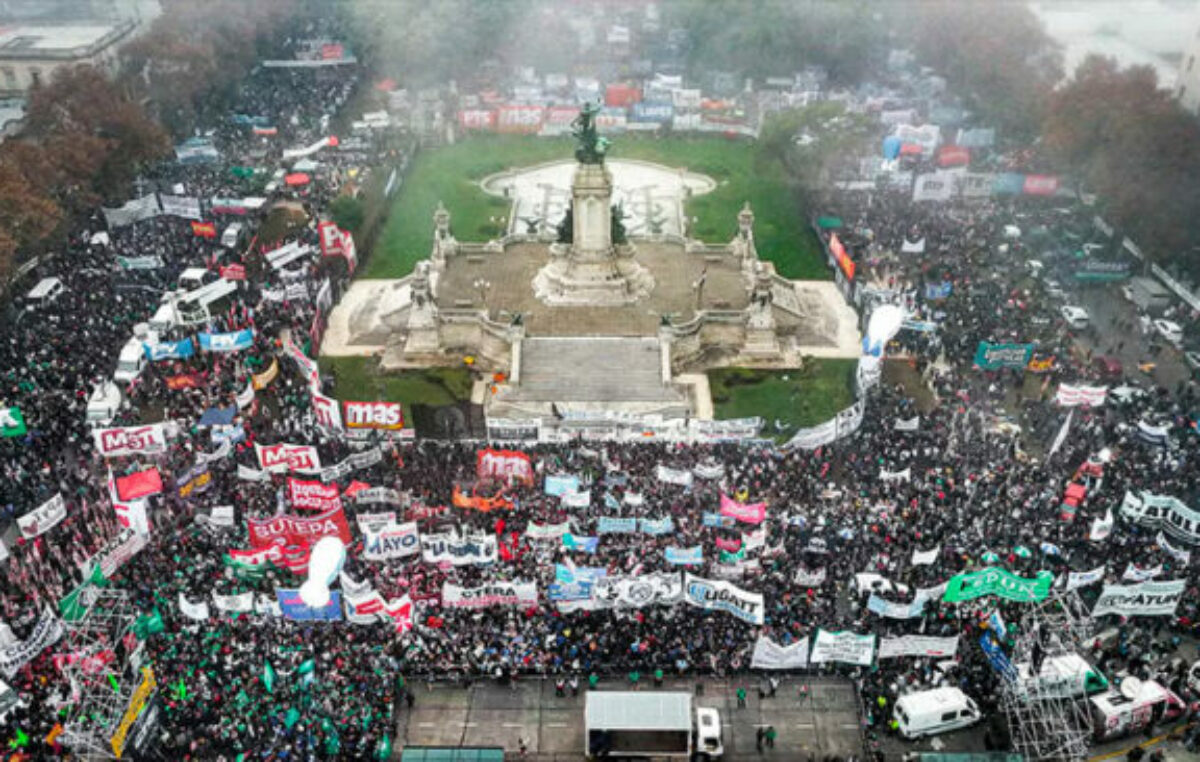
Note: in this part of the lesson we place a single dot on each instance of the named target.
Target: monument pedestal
(591, 271)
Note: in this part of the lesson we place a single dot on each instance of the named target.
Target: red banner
(520, 119)
(504, 465)
(138, 485)
(1040, 185)
(751, 513)
(204, 229)
(620, 96)
(374, 415)
(185, 381)
(336, 242)
(313, 495)
(843, 259)
(298, 530)
(233, 272)
(266, 132)
(953, 156)
(477, 119)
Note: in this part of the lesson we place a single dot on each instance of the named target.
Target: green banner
(992, 356)
(1000, 582)
(12, 422)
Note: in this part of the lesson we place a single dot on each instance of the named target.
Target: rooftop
(58, 41)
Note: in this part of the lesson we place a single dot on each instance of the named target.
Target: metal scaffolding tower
(1046, 718)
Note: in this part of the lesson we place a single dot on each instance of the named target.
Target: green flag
(71, 608)
(268, 677)
(180, 690)
(148, 624)
(21, 740)
(383, 750)
(292, 718)
(996, 581)
(12, 422)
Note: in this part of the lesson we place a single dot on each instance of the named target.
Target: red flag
(139, 484)
(204, 229)
(233, 272)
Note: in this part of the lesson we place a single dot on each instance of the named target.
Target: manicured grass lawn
(796, 398)
(359, 380)
(450, 174)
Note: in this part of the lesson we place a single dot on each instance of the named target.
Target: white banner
(196, 611)
(1182, 556)
(770, 655)
(234, 604)
(1082, 579)
(918, 645)
(662, 589)
(723, 596)
(907, 424)
(492, 594)
(709, 471)
(134, 210)
(1134, 574)
(674, 476)
(131, 440)
(547, 531)
(49, 630)
(806, 578)
(935, 186)
(895, 476)
(280, 458)
(458, 551)
(221, 516)
(395, 541)
(187, 207)
(1101, 528)
(843, 647)
(1146, 599)
(43, 518)
(245, 398)
(1070, 396)
(373, 522)
(925, 557)
(245, 473)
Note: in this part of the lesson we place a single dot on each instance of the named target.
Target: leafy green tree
(347, 212)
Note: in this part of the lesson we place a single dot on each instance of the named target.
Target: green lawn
(450, 174)
(360, 380)
(797, 398)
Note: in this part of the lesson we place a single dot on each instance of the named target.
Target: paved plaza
(487, 714)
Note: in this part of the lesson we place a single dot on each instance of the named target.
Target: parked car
(1076, 317)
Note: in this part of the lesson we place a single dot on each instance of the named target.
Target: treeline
(87, 134)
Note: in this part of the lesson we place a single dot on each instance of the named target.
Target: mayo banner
(561, 484)
(918, 645)
(999, 582)
(49, 630)
(658, 589)
(227, 342)
(1146, 599)
(685, 556)
(993, 356)
(293, 607)
(387, 416)
(493, 594)
(43, 518)
(843, 647)
(169, 350)
(280, 458)
(751, 513)
(458, 551)
(1071, 396)
(313, 495)
(770, 655)
(286, 529)
(723, 596)
(504, 465)
(1082, 579)
(674, 476)
(394, 541)
(131, 440)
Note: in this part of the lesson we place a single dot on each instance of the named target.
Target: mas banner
(1146, 599)
(843, 647)
(131, 440)
(389, 542)
(493, 594)
(993, 356)
(770, 655)
(999, 582)
(723, 596)
(387, 416)
(503, 465)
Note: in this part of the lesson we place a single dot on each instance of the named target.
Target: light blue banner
(685, 556)
(656, 526)
(582, 544)
(559, 484)
(716, 520)
(227, 342)
(169, 350)
(614, 525)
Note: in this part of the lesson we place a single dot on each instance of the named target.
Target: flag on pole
(268, 677)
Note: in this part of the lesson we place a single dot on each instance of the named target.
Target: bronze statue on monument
(592, 147)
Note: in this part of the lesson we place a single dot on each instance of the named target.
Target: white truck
(1061, 676)
(623, 724)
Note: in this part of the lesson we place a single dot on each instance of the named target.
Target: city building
(1187, 85)
(31, 54)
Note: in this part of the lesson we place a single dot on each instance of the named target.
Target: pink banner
(751, 513)
(298, 530)
(313, 495)
(728, 545)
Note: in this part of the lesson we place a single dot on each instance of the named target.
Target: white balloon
(324, 564)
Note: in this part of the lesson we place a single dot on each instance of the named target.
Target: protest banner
(560, 484)
(999, 582)
(806, 578)
(1069, 395)
(235, 341)
(993, 356)
(770, 655)
(390, 542)
(195, 611)
(918, 645)
(1145, 599)
(48, 631)
(678, 477)
(293, 607)
(385, 416)
(723, 596)
(685, 556)
(281, 458)
(616, 525)
(139, 484)
(458, 551)
(43, 518)
(843, 647)
(287, 529)
(535, 531)
(491, 594)
(313, 495)
(657, 589)
(131, 440)
(504, 465)
(750, 513)
(1082, 579)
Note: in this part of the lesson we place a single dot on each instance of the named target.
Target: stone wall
(721, 330)
(472, 333)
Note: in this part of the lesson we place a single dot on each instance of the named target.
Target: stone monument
(589, 268)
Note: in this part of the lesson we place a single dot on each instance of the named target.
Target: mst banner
(131, 440)
(716, 595)
(280, 458)
(1146, 599)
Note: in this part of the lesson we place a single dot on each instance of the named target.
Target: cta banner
(843, 648)
(770, 655)
(286, 529)
(999, 582)
(723, 596)
(281, 458)
(313, 495)
(492, 594)
(386, 416)
(390, 542)
(993, 356)
(918, 645)
(504, 465)
(43, 518)
(1146, 599)
(131, 440)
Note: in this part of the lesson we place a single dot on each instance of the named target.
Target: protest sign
(770, 655)
(723, 596)
(843, 648)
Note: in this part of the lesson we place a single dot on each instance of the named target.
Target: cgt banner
(993, 356)
(843, 647)
(390, 542)
(504, 465)
(1146, 599)
(285, 529)
(716, 595)
(770, 655)
(918, 645)
(131, 440)
(281, 458)
(492, 594)
(313, 495)
(998, 582)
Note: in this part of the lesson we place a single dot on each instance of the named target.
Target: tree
(347, 212)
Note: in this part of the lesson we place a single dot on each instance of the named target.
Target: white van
(1134, 706)
(131, 361)
(708, 733)
(936, 711)
(1062, 676)
(1076, 317)
(194, 278)
(104, 404)
(46, 291)
(232, 236)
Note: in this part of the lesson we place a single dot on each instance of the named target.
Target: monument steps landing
(608, 369)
